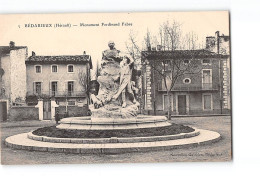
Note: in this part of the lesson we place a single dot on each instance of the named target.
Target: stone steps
(21, 141)
(113, 139)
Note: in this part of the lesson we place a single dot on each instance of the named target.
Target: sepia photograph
(139, 87)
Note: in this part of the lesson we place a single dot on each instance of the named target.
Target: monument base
(92, 123)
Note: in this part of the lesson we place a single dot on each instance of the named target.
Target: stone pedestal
(90, 123)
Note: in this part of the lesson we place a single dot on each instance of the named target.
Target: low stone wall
(19, 113)
(73, 111)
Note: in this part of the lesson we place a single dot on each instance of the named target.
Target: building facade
(220, 44)
(12, 76)
(204, 89)
(62, 78)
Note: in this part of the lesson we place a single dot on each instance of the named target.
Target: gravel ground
(220, 151)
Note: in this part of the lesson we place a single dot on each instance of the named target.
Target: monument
(114, 95)
(114, 105)
(114, 125)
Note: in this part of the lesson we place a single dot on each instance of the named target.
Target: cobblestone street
(220, 151)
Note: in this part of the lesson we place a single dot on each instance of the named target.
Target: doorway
(3, 110)
(46, 110)
(182, 105)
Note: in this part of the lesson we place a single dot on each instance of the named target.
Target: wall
(18, 113)
(62, 76)
(74, 111)
(224, 45)
(196, 79)
(6, 81)
(18, 73)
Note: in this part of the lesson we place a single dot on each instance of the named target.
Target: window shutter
(42, 87)
(34, 88)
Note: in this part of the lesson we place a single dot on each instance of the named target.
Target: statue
(112, 93)
(112, 53)
(125, 80)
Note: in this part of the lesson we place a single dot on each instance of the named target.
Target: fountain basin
(92, 123)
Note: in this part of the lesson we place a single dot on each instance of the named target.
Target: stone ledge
(113, 139)
(140, 121)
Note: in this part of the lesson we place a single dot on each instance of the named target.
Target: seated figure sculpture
(114, 96)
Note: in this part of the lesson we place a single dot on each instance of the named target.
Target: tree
(171, 39)
(84, 79)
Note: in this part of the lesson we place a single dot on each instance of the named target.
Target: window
(187, 81)
(168, 80)
(38, 69)
(207, 102)
(166, 103)
(166, 65)
(206, 62)
(70, 68)
(186, 61)
(54, 88)
(38, 87)
(206, 79)
(54, 68)
(70, 88)
(71, 103)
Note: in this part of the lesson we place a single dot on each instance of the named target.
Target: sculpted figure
(112, 53)
(112, 91)
(125, 81)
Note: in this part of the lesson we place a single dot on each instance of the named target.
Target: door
(182, 104)
(37, 88)
(70, 88)
(3, 111)
(46, 110)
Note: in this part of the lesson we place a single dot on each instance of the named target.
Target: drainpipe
(154, 91)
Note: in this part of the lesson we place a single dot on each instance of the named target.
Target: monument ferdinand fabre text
(112, 93)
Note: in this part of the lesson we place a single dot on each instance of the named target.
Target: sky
(94, 39)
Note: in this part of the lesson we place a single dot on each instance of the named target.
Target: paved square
(220, 151)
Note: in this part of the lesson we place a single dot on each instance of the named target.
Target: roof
(4, 50)
(67, 59)
(181, 54)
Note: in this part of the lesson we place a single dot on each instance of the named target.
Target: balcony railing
(58, 93)
(190, 87)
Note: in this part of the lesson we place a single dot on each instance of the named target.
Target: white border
(244, 17)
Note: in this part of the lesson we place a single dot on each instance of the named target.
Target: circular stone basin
(52, 131)
(30, 135)
(92, 123)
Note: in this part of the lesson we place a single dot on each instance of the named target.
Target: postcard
(138, 87)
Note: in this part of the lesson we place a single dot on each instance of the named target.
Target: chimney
(84, 52)
(11, 44)
(217, 40)
(217, 34)
(33, 53)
